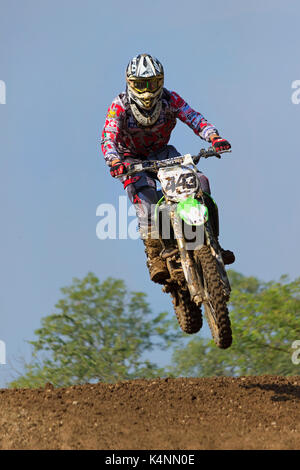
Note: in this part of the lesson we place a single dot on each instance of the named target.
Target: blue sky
(63, 62)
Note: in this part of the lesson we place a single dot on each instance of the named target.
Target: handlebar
(155, 165)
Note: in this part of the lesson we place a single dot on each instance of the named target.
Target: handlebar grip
(208, 153)
(211, 152)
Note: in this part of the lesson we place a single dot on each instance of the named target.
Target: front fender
(192, 212)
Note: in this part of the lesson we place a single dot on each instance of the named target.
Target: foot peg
(167, 253)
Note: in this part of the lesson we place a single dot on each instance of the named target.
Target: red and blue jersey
(123, 137)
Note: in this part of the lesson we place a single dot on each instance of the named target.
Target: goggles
(146, 84)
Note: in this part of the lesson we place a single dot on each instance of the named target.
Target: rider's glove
(220, 144)
(118, 168)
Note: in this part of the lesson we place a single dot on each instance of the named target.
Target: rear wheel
(188, 314)
(215, 307)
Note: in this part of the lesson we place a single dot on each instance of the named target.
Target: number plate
(178, 182)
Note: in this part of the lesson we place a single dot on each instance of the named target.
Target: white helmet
(145, 80)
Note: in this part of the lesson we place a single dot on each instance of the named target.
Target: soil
(162, 414)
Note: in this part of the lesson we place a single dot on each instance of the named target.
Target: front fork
(193, 278)
(191, 274)
(216, 252)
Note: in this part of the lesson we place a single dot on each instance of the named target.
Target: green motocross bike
(187, 225)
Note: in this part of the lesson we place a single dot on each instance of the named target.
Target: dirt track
(206, 413)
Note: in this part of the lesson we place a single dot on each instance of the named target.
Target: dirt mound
(206, 413)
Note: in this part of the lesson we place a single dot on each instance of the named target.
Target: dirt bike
(190, 247)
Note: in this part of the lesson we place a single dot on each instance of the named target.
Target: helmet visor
(141, 85)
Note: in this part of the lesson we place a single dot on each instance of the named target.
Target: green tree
(265, 319)
(99, 332)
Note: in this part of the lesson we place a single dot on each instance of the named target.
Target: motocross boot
(157, 266)
(227, 255)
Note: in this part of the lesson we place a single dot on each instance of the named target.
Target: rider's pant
(142, 188)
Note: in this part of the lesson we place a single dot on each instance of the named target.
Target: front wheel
(215, 307)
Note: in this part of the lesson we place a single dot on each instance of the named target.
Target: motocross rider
(138, 127)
